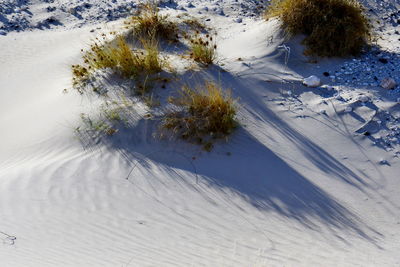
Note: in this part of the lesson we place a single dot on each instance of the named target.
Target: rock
(312, 81)
(363, 98)
(348, 109)
(72, 10)
(388, 83)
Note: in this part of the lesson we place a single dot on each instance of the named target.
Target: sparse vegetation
(203, 50)
(148, 22)
(151, 101)
(130, 63)
(200, 115)
(332, 27)
(112, 116)
(204, 114)
(194, 24)
(80, 74)
(152, 62)
(95, 128)
(118, 55)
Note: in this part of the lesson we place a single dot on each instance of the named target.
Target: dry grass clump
(120, 56)
(152, 63)
(207, 113)
(203, 50)
(110, 55)
(80, 74)
(148, 22)
(195, 24)
(127, 61)
(333, 27)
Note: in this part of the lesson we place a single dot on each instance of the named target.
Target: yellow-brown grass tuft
(152, 63)
(80, 74)
(203, 49)
(148, 22)
(207, 113)
(332, 27)
(120, 56)
(130, 63)
(113, 55)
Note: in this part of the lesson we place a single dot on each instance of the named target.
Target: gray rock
(388, 83)
(239, 20)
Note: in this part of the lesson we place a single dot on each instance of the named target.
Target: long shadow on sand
(252, 171)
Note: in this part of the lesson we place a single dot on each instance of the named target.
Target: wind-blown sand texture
(298, 184)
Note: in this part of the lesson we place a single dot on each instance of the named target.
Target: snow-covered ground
(310, 179)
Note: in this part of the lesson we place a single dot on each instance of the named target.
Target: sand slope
(294, 186)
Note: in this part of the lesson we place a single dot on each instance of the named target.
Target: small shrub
(152, 62)
(206, 114)
(203, 50)
(332, 27)
(148, 22)
(80, 74)
(130, 63)
(121, 57)
(118, 55)
(100, 56)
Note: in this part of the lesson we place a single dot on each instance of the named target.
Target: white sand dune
(294, 186)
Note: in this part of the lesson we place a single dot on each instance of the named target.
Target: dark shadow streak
(254, 172)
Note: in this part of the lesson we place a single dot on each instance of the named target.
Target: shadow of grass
(252, 171)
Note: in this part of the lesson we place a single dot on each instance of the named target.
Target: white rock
(388, 83)
(328, 87)
(363, 98)
(312, 81)
(348, 109)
